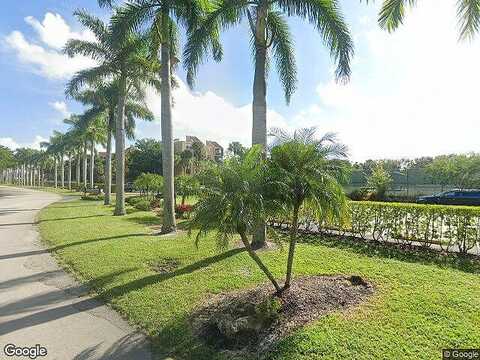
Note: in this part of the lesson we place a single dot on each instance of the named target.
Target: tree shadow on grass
(50, 220)
(158, 278)
(147, 220)
(468, 264)
(64, 246)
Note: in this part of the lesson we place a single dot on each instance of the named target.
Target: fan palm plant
(270, 36)
(392, 14)
(124, 60)
(309, 175)
(163, 18)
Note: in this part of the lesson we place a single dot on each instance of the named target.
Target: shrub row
(453, 228)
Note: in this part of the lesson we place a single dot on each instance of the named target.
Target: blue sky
(412, 93)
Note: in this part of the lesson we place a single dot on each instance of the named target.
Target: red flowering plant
(183, 210)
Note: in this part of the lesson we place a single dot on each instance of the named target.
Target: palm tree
(308, 175)
(124, 60)
(271, 36)
(162, 17)
(392, 14)
(103, 99)
(231, 201)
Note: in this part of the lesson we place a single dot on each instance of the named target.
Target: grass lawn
(421, 304)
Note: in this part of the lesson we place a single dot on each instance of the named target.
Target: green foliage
(325, 16)
(392, 15)
(186, 186)
(149, 184)
(236, 149)
(268, 310)
(231, 198)
(380, 180)
(7, 158)
(143, 205)
(308, 174)
(448, 226)
(462, 171)
(144, 157)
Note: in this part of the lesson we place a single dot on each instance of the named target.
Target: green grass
(50, 189)
(421, 304)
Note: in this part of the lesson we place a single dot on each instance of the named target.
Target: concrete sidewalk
(41, 304)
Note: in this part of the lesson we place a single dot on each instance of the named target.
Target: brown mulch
(308, 299)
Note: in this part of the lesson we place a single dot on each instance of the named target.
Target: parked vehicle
(452, 197)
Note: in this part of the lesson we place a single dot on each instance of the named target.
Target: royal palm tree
(163, 18)
(103, 99)
(392, 14)
(271, 37)
(124, 60)
(308, 175)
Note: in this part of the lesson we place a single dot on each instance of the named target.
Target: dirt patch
(165, 266)
(251, 321)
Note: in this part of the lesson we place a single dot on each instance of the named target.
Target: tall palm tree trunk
(259, 104)
(120, 150)
(78, 164)
(70, 171)
(62, 174)
(56, 172)
(85, 165)
(169, 224)
(108, 161)
(92, 165)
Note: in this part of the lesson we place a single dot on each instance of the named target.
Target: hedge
(452, 228)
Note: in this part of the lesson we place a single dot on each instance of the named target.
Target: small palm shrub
(149, 185)
(232, 201)
(308, 174)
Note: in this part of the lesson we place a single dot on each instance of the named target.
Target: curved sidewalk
(41, 304)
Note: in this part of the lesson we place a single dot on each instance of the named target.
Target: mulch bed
(308, 299)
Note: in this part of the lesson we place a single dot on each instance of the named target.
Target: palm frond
(392, 13)
(284, 53)
(468, 13)
(86, 77)
(131, 16)
(94, 24)
(328, 19)
(90, 49)
(205, 38)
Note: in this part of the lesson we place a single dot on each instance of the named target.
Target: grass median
(156, 282)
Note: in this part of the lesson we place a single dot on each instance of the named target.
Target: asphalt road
(41, 304)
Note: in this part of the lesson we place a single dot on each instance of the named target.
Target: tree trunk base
(167, 231)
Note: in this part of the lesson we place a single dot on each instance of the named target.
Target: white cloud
(55, 32)
(12, 144)
(414, 94)
(207, 116)
(46, 58)
(61, 107)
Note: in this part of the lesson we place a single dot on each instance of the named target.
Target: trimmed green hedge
(453, 228)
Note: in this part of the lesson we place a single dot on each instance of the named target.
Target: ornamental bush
(453, 228)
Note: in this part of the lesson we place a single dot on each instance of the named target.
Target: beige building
(213, 150)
